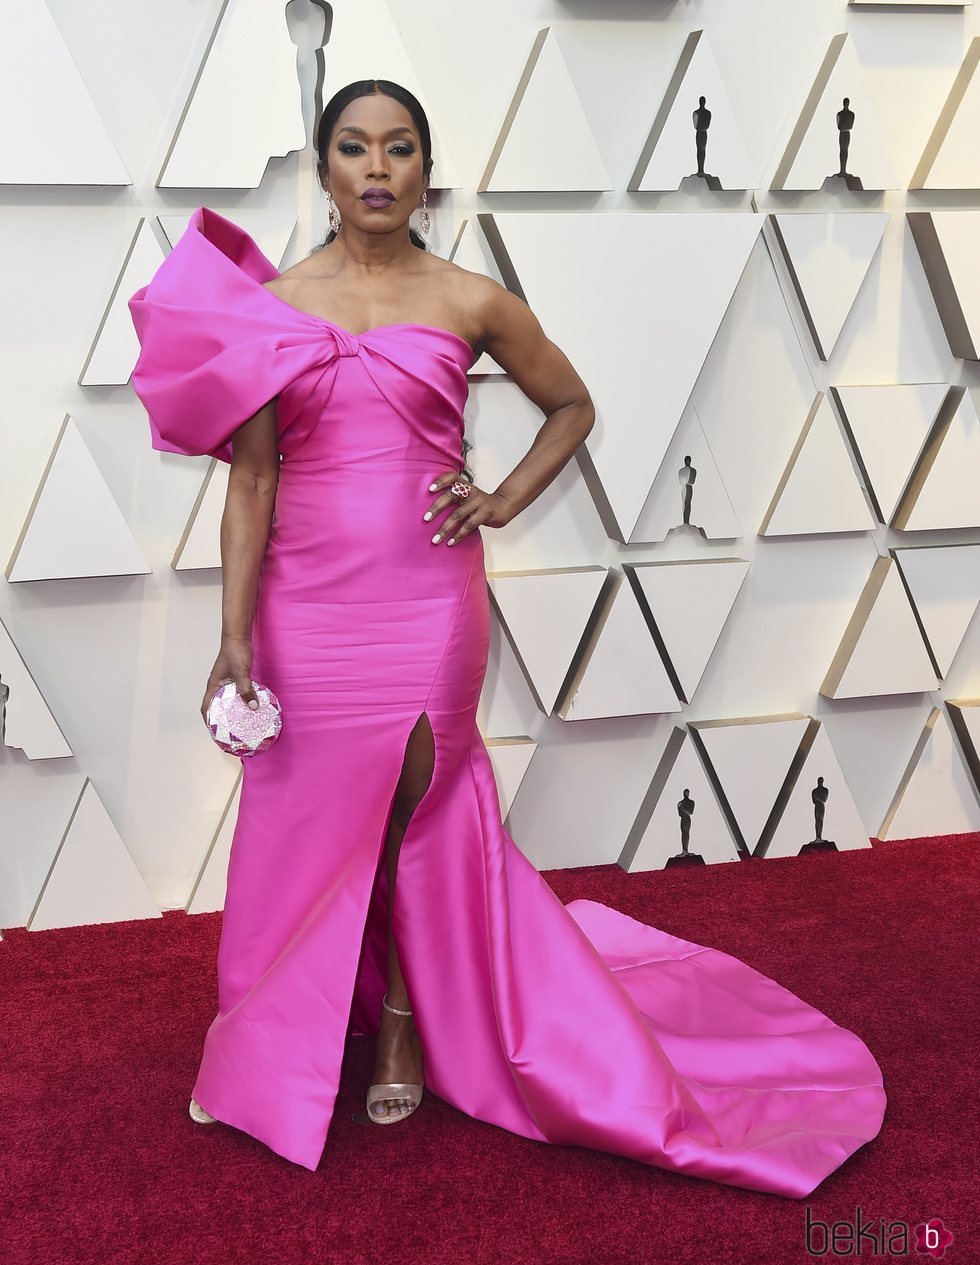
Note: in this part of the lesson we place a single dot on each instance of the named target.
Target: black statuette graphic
(701, 118)
(845, 121)
(820, 794)
(685, 810)
(702, 121)
(845, 125)
(687, 474)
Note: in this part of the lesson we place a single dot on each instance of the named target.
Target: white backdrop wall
(121, 660)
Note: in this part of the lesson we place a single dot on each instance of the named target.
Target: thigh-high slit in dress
(570, 1024)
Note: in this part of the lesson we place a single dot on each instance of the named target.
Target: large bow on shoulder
(216, 345)
(214, 350)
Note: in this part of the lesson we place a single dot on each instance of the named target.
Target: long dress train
(570, 1024)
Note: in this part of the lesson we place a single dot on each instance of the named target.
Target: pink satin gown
(571, 1024)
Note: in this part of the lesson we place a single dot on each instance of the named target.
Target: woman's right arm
(245, 525)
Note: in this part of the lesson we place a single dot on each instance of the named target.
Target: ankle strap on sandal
(393, 1009)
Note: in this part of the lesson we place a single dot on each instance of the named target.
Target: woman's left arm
(514, 338)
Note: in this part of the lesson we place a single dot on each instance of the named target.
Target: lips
(377, 197)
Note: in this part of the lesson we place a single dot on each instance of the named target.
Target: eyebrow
(390, 132)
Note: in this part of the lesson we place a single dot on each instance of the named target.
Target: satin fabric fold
(215, 346)
(570, 1024)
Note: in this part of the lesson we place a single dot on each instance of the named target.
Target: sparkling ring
(460, 489)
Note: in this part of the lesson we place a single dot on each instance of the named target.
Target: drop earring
(333, 214)
(425, 216)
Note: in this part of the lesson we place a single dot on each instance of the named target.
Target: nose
(379, 165)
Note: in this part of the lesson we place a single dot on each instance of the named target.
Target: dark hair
(324, 130)
(370, 88)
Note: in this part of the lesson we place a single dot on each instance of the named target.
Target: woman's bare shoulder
(475, 290)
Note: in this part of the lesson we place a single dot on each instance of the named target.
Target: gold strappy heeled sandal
(397, 1089)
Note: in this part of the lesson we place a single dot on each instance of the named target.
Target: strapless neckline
(374, 329)
(229, 226)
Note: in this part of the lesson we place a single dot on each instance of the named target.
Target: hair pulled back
(367, 88)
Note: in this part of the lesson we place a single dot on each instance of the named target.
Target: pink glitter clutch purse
(239, 729)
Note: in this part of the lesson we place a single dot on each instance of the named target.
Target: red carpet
(102, 1029)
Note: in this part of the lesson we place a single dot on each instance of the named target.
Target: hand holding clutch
(236, 727)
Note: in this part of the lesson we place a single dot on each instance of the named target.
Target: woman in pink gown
(570, 1024)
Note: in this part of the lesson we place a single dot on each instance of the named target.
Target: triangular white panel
(621, 672)
(210, 889)
(228, 131)
(751, 759)
(889, 426)
(828, 255)
(945, 491)
(27, 721)
(947, 245)
(270, 232)
(944, 581)
(667, 328)
(951, 158)
(200, 545)
(820, 778)
(882, 651)
(74, 526)
(688, 464)
(544, 614)
(509, 758)
(670, 153)
(689, 603)
(468, 252)
(545, 144)
(813, 152)
(52, 132)
(656, 834)
(936, 795)
(819, 490)
(115, 347)
(93, 879)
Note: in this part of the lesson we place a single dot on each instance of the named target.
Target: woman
(354, 587)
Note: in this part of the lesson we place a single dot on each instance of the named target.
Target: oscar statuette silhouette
(685, 810)
(820, 794)
(701, 119)
(845, 125)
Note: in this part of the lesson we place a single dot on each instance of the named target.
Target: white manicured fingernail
(426, 517)
(435, 539)
(432, 487)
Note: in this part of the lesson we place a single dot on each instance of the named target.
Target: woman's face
(375, 145)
